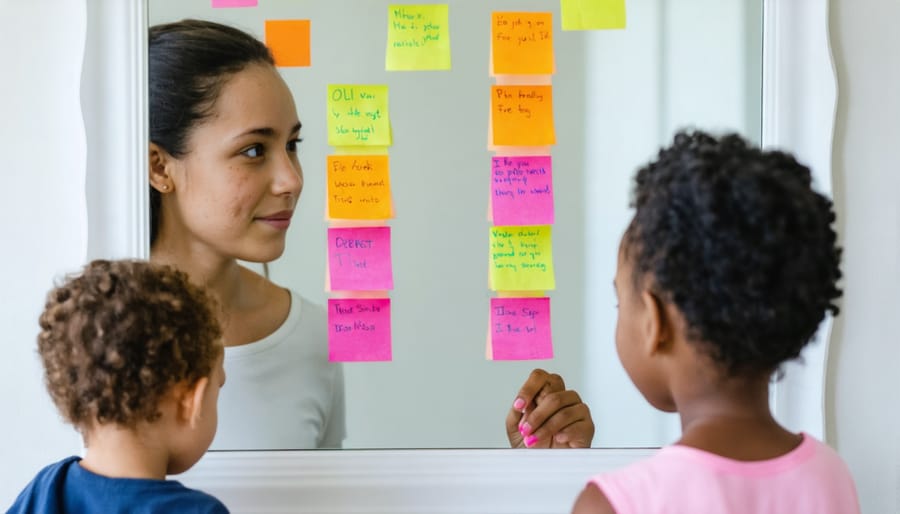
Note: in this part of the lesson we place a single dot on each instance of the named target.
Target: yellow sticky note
(359, 187)
(418, 37)
(592, 14)
(289, 42)
(522, 116)
(358, 115)
(522, 43)
(521, 258)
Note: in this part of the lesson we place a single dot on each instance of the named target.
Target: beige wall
(863, 413)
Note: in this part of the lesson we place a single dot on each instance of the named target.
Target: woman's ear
(657, 326)
(190, 404)
(160, 166)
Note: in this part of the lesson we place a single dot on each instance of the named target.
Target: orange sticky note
(289, 42)
(522, 43)
(359, 187)
(522, 116)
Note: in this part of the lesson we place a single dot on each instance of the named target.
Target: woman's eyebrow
(268, 131)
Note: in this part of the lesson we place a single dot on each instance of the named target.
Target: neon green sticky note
(418, 37)
(358, 115)
(592, 14)
(521, 258)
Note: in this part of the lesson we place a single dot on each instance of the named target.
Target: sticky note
(522, 190)
(359, 187)
(520, 329)
(289, 42)
(359, 329)
(592, 14)
(521, 258)
(234, 3)
(418, 37)
(358, 115)
(522, 116)
(359, 259)
(522, 43)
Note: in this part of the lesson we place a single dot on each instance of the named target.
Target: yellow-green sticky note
(522, 258)
(418, 38)
(592, 14)
(358, 115)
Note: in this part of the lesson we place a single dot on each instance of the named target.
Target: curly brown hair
(116, 337)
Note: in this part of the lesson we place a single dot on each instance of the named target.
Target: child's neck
(732, 418)
(117, 452)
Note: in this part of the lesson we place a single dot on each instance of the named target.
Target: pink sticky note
(522, 190)
(359, 329)
(359, 259)
(235, 3)
(520, 329)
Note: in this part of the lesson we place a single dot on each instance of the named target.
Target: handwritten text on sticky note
(359, 259)
(418, 37)
(522, 115)
(359, 187)
(359, 329)
(522, 43)
(522, 258)
(592, 14)
(358, 115)
(289, 42)
(522, 190)
(520, 329)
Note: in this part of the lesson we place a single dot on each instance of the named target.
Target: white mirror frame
(799, 101)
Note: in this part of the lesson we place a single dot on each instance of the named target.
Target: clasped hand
(547, 415)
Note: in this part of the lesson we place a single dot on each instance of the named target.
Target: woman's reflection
(225, 180)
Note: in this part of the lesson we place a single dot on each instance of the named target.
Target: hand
(546, 415)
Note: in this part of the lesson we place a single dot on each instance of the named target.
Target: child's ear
(160, 167)
(657, 326)
(191, 402)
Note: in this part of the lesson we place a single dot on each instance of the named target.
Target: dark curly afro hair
(736, 238)
(115, 338)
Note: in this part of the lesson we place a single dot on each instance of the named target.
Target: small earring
(164, 187)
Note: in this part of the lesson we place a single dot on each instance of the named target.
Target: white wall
(43, 227)
(864, 413)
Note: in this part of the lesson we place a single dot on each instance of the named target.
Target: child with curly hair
(132, 355)
(724, 273)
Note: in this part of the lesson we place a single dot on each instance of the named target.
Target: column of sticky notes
(359, 202)
(521, 197)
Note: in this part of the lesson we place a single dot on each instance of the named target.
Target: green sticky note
(522, 258)
(358, 115)
(592, 14)
(418, 37)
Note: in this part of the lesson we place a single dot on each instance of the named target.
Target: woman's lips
(279, 220)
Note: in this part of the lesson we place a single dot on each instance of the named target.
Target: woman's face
(236, 187)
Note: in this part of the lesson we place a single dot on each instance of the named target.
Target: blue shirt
(67, 488)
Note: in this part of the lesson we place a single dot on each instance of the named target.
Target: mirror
(617, 95)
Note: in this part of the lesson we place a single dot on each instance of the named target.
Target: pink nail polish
(530, 440)
(525, 429)
(519, 403)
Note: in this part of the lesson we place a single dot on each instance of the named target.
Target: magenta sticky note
(359, 329)
(235, 3)
(520, 329)
(359, 259)
(522, 190)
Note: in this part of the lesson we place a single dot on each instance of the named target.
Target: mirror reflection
(617, 96)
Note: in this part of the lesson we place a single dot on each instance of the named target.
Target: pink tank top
(811, 479)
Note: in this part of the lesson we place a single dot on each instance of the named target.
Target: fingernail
(519, 403)
(525, 429)
(530, 440)
(561, 438)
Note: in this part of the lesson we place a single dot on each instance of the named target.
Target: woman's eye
(253, 152)
(293, 144)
